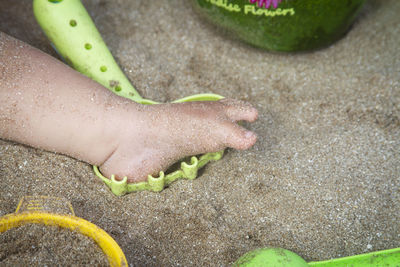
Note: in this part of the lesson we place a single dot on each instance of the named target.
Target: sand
(322, 180)
(36, 244)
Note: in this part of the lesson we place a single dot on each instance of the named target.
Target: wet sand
(322, 180)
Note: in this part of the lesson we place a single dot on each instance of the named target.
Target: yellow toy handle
(38, 209)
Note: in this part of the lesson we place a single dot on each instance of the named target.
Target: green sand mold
(75, 37)
(157, 184)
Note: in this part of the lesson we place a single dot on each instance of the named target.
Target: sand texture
(40, 245)
(322, 180)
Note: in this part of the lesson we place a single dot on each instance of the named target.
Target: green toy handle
(77, 40)
(75, 37)
(390, 258)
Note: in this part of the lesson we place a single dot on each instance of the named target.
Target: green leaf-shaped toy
(77, 40)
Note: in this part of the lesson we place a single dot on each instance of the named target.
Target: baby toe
(239, 138)
(237, 110)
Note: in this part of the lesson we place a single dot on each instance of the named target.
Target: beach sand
(322, 180)
(44, 245)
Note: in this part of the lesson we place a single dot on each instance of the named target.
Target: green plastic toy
(282, 25)
(271, 257)
(77, 40)
(278, 257)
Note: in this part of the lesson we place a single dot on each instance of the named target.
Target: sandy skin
(48, 105)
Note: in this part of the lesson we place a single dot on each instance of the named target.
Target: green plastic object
(270, 257)
(286, 25)
(384, 258)
(157, 184)
(278, 257)
(75, 37)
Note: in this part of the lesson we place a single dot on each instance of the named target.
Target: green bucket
(282, 25)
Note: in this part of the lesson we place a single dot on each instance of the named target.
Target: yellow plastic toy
(59, 212)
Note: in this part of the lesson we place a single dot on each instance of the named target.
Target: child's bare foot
(154, 137)
(48, 105)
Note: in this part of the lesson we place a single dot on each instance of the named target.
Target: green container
(286, 25)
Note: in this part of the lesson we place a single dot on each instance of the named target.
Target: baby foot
(160, 135)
